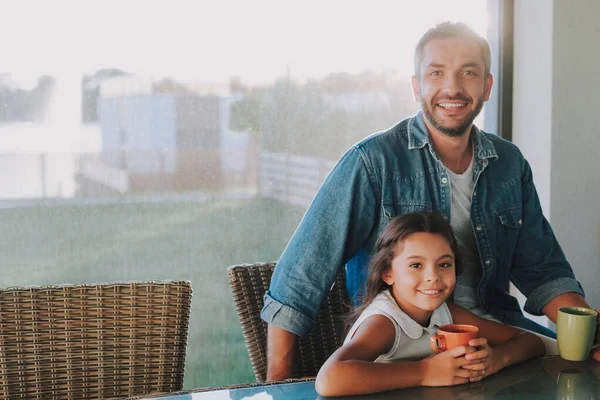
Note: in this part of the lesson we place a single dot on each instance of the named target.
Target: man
(436, 160)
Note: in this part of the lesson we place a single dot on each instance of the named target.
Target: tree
(90, 91)
(324, 117)
(245, 114)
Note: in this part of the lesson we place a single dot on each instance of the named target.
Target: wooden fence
(290, 178)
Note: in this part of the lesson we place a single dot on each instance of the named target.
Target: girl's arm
(351, 370)
(499, 345)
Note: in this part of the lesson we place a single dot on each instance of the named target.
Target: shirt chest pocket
(507, 234)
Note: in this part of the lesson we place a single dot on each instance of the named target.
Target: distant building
(166, 135)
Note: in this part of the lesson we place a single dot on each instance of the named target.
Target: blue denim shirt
(398, 171)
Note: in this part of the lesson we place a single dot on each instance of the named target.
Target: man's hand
(280, 353)
(596, 351)
(447, 368)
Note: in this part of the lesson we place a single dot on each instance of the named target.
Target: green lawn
(186, 240)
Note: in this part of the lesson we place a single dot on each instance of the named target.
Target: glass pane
(167, 140)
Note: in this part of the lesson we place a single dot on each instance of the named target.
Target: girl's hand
(447, 368)
(486, 360)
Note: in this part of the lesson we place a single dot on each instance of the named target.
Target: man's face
(452, 85)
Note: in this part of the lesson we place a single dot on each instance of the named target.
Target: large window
(144, 140)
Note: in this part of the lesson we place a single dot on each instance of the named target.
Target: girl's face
(422, 274)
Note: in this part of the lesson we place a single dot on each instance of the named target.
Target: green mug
(575, 332)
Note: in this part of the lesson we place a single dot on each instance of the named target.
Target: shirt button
(479, 227)
(445, 217)
(444, 180)
(487, 262)
(474, 194)
(520, 222)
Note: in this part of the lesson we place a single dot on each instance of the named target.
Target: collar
(418, 137)
(440, 316)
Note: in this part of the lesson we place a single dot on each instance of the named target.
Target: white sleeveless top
(412, 339)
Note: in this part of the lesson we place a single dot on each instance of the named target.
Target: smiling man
(452, 81)
(437, 160)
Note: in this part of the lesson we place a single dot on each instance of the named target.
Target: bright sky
(212, 40)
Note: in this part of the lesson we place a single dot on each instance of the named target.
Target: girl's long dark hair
(395, 232)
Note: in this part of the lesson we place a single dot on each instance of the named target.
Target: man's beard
(453, 131)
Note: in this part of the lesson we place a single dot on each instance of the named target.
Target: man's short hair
(453, 29)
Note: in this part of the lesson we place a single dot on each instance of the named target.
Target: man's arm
(335, 227)
(563, 300)
(540, 269)
(280, 353)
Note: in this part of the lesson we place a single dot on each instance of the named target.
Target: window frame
(498, 117)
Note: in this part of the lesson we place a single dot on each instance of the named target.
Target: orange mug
(453, 335)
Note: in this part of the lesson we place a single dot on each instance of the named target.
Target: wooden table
(544, 378)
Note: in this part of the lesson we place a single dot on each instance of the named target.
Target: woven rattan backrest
(249, 282)
(93, 341)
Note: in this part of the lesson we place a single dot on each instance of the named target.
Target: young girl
(411, 275)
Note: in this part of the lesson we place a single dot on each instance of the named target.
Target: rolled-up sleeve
(286, 317)
(543, 294)
(336, 225)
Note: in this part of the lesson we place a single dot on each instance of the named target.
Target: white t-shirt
(412, 339)
(465, 292)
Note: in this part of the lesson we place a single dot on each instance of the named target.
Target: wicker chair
(249, 282)
(93, 341)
